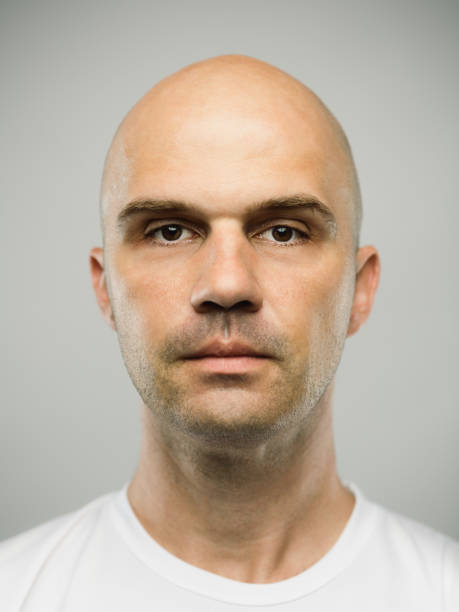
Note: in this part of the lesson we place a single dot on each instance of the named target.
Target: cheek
(316, 300)
(145, 295)
(333, 309)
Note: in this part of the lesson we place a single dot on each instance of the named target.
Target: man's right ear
(96, 263)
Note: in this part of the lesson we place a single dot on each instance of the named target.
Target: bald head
(226, 112)
(231, 210)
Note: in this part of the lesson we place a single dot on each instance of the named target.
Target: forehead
(226, 156)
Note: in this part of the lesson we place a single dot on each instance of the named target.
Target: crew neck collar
(208, 584)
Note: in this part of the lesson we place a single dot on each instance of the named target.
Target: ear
(367, 278)
(96, 263)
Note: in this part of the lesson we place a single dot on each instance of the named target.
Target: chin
(229, 422)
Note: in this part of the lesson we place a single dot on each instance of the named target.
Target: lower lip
(229, 365)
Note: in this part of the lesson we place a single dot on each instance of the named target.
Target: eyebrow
(297, 201)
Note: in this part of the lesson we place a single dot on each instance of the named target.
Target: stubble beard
(233, 416)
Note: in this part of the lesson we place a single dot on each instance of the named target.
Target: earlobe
(368, 268)
(96, 263)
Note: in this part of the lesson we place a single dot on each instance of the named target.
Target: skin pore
(231, 211)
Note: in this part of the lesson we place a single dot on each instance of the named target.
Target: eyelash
(305, 237)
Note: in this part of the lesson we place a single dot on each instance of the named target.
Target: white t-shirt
(101, 559)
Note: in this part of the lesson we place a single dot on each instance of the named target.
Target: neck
(258, 514)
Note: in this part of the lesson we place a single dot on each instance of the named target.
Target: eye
(171, 232)
(283, 234)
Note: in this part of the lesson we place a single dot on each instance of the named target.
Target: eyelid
(166, 222)
(303, 236)
(282, 222)
(268, 224)
(259, 227)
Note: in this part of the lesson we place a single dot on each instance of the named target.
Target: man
(232, 274)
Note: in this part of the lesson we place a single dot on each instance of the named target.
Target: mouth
(229, 364)
(221, 356)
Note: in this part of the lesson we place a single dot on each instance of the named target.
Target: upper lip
(218, 348)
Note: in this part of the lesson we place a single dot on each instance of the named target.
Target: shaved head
(231, 208)
(217, 103)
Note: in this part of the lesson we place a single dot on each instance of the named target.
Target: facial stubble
(231, 410)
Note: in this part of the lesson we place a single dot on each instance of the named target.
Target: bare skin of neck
(257, 515)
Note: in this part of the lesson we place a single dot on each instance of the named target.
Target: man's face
(280, 280)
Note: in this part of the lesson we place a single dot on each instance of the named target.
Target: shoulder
(56, 542)
(420, 553)
(412, 535)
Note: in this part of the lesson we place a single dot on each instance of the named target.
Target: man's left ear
(368, 269)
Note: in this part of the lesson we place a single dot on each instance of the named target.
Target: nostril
(209, 305)
(243, 304)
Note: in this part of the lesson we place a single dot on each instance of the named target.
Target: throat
(242, 513)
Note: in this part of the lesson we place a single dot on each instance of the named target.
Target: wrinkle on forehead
(223, 101)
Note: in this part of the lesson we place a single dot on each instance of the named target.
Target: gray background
(69, 72)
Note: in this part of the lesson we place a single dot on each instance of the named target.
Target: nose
(226, 279)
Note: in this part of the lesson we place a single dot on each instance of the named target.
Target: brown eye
(282, 233)
(171, 232)
(285, 233)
